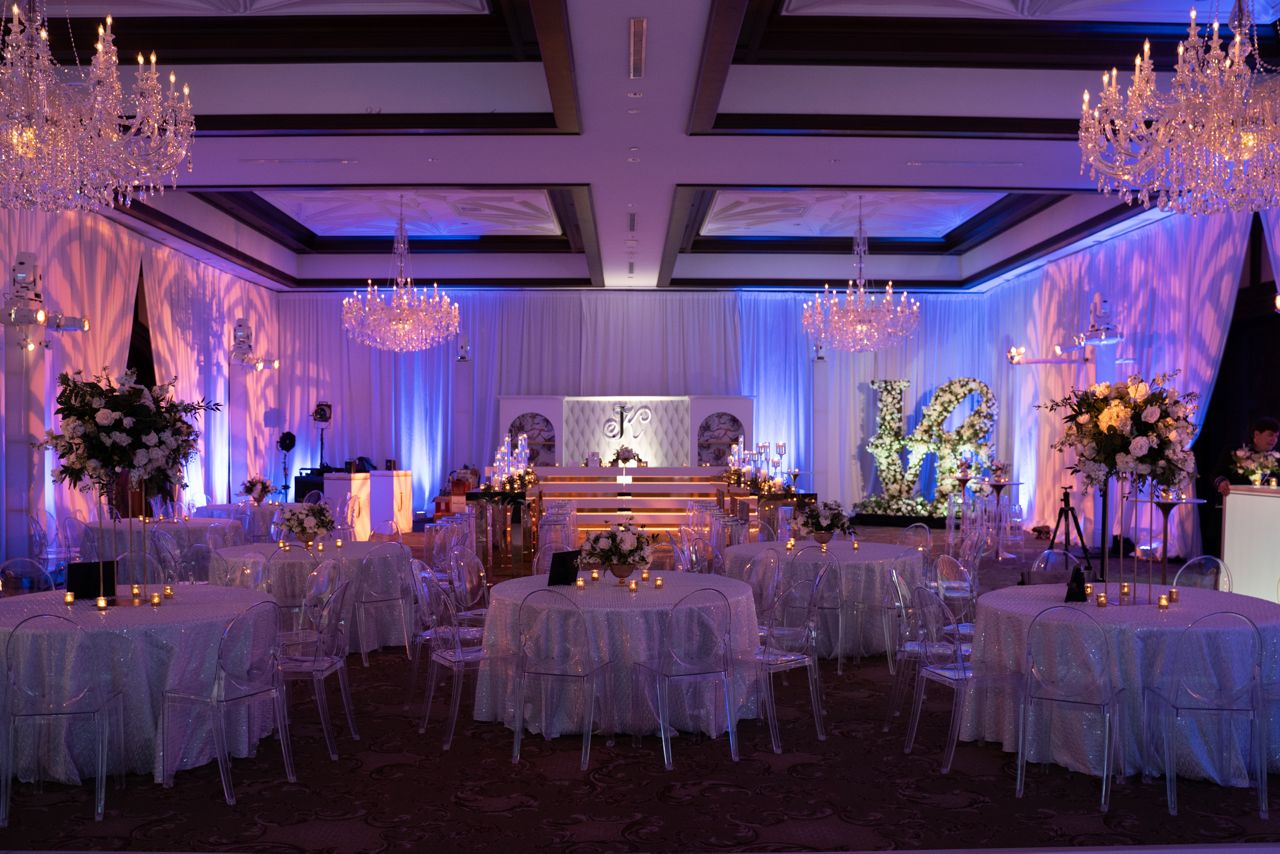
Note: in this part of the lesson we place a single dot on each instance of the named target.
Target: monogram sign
(899, 457)
(632, 418)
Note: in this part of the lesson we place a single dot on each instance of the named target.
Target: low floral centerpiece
(1135, 430)
(622, 549)
(1000, 471)
(257, 488)
(1254, 465)
(757, 482)
(519, 481)
(625, 456)
(308, 522)
(824, 520)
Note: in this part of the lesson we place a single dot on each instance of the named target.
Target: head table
(1140, 637)
(139, 650)
(864, 577)
(286, 578)
(627, 627)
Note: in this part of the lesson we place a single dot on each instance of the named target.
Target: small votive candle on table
(579, 583)
(168, 591)
(632, 585)
(1163, 602)
(135, 590)
(1102, 600)
(68, 598)
(1088, 589)
(320, 547)
(657, 583)
(791, 543)
(280, 544)
(595, 575)
(337, 544)
(1124, 589)
(1173, 594)
(644, 576)
(101, 603)
(155, 600)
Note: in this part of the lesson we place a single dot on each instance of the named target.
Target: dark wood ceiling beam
(252, 210)
(938, 127)
(551, 21)
(723, 26)
(374, 124)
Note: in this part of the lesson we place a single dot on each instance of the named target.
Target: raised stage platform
(655, 497)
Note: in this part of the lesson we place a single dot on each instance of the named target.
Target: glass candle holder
(1124, 589)
(337, 544)
(279, 544)
(155, 600)
(1102, 600)
(1163, 602)
(101, 603)
(657, 583)
(579, 583)
(791, 544)
(644, 575)
(168, 591)
(632, 585)
(1173, 594)
(595, 575)
(320, 548)
(68, 598)
(1088, 589)
(135, 590)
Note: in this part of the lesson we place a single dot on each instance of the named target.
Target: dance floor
(396, 790)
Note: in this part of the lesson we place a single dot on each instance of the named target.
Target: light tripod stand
(1067, 519)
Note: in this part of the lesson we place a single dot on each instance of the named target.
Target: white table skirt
(864, 577)
(288, 580)
(141, 650)
(1140, 637)
(628, 628)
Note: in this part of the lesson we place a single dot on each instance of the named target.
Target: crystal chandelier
(1211, 145)
(861, 322)
(406, 319)
(67, 141)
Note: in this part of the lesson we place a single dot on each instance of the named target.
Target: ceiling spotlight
(24, 316)
(66, 323)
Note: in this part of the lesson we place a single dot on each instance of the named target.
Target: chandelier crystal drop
(861, 322)
(405, 318)
(68, 141)
(1212, 144)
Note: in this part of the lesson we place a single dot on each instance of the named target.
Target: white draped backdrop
(1170, 283)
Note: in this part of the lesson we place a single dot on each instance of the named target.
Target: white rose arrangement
(308, 522)
(827, 517)
(1137, 430)
(256, 487)
(618, 545)
(1254, 465)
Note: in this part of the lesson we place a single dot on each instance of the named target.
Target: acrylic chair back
(761, 574)
(695, 638)
(1055, 561)
(382, 573)
(1205, 571)
(469, 579)
(1068, 658)
(50, 667)
(24, 575)
(248, 652)
(138, 568)
(555, 637)
(939, 649)
(1216, 664)
(917, 536)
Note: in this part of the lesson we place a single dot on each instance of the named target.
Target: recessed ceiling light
(635, 94)
(632, 111)
(633, 159)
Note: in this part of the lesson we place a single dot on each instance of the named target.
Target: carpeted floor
(396, 790)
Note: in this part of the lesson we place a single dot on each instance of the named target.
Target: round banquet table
(1140, 637)
(139, 650)
(628, 628)
(126, 535)
(864, 577)
(260, 516)
(287, 580)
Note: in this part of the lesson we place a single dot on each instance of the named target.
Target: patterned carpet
(397, 791)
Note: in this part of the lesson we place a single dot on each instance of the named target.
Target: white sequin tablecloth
(864, 577)
(139, 650)
(1140, 637)
(126, 535)
(628, 628)
(287, 579)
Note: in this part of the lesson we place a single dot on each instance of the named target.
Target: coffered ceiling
(528, 154)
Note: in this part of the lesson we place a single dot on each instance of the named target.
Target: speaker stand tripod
(1067, 519)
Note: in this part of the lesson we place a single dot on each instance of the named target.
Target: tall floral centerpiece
(621, 549)
(256, 488)
(111, 429)
(1136, 431)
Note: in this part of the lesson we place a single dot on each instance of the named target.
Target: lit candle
(1173, 594)
(155, 600)
(1124, 588)
(579, 583)
(337, 543)
(644, 575)
(595, 575)
(168, 591)
(135, 590)
(1163, 602)
(1102, 600)
(69, 598)
(1088, 589)
(855, 545)
(791, 544)
(632, 586)
(657, 583)
(101, 603)
(280, 543)
(320, 547)
(186, 518)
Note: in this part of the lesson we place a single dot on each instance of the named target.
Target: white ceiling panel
(834, 213)
(428, 213)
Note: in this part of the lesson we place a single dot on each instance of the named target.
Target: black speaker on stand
(285, 443)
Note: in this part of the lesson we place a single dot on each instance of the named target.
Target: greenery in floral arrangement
(969, 441)
(308, 522)
(625, 456)
(757, 483)
(826, 517)
(256, 487)
(521, 481)
(1254, 464)
(619, 545)
(1137, 430)
(119, 428)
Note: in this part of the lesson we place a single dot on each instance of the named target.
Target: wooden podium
(1251, 540)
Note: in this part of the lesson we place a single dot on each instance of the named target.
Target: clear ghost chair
(247, 670)
(1204, 571)
(1068, 662)
(944, 663)
(387, 532)
(138, 568)
(426, 621)
(24, 575)
(917, 536)
(556, 645)
(831, 599)
(382, 584)
(765, 534)
(469, 586)
(73, 535)
(694, 646)
(1214, 669)
(315, 496)
(662, 557)
(195, 563)
(959, 590)
(1057, 562)
(542, 560)
(787, 647)
(452, 647)
(762, 573)
(42, 654)
(219, 536)
(164, 547)
(320, 651)
(907, 646)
